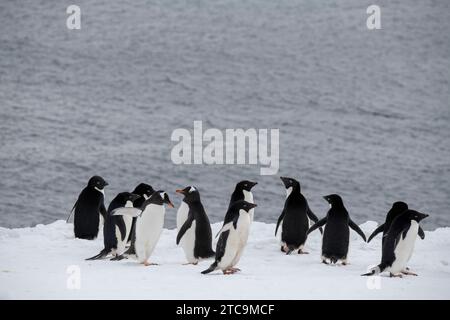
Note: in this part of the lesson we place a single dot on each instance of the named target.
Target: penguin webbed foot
(118, 258)
(147, 264)
(395, 275)
(230, 271)
(300, 251)
(408, 272)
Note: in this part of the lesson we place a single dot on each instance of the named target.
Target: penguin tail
(101, 255)
(374, 271)
(211, 268)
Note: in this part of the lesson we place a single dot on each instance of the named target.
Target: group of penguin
(133, 223)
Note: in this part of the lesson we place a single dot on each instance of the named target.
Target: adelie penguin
(194, 229)
(295, 218)
(117, 227)
(398, 245)
(144, 191)
(397, 208)
(149, 225)
(88, 208)
(233, 238)
(336, 236)
(243, 191)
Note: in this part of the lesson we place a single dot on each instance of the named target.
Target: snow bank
(36, 264)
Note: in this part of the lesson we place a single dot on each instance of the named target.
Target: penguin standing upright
(233, 238)
(398, 245)
(88, 208)
(242, 191)
(397, 208)
(194, 229)
(149, 225)
(295, 218)
(117, 227)
(336, 235)
(144, 191)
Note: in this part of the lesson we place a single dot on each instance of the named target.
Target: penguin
(242, 191)
(194, 229)
(295, 218)
(398, 245)
(233, 238)
(149, 225)
(88, 208)
(397, 208)
(144, 191)
(117, 227)
(335, 241)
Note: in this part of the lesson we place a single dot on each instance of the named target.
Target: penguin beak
(106, 184)
(254, 184)
(285, 181)
(326, 198)
(252, 205)
(170, 204)
(179, 191)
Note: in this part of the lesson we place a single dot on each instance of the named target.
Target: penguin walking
(194, 229)
(117, 227)
(149, 225)
(233, 238)
(144, 191)
(397, 208)
(398, 245)
(335, 241)
(295, 218)
(243, 191)
(88, 208)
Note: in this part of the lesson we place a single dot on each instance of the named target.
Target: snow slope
(34, 265)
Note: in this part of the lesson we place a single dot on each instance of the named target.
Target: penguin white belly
(188, 240)
(149, 227)
(404, 248)
(236, 241)
(248, 196)
(121, 244)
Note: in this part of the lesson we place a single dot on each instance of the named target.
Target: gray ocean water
(362, 113)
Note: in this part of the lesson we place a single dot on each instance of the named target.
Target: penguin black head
(124, 197)
(333, 199)
(399, 206)
(242, 205)
(159, 197)
(190, 193)
(417, 216)
(245, 185)
(144, 189)
(97, 182)
(290, 183)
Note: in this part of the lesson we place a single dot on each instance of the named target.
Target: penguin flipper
(318, 224)
(312, 216)
(71, 211)
(376, 231)
(103, 210)
(421, 233)
(280, 218)
(126, 211)
(187, 224)
(355, 227)
(120, 223)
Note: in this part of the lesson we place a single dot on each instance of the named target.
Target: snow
(35, 263)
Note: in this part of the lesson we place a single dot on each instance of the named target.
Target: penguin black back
(88, 208)
(397, 208)
(203, 233)
(336, 236)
